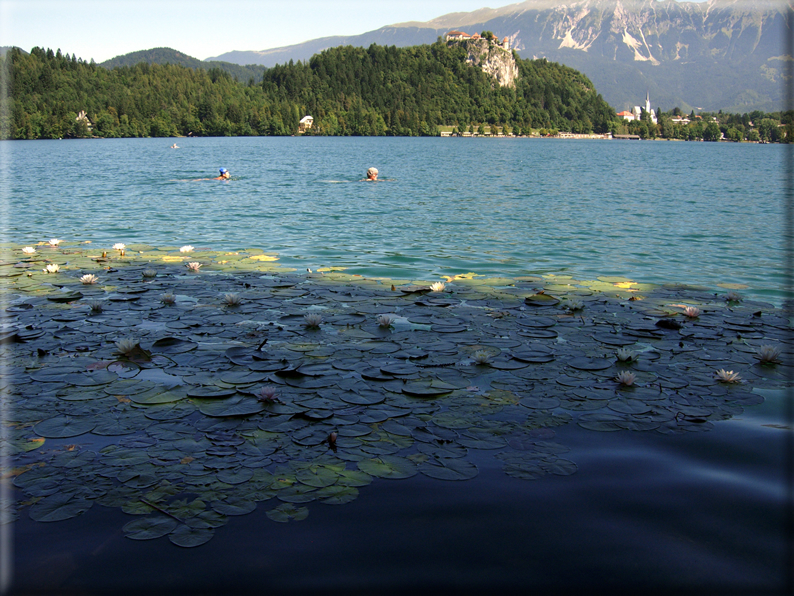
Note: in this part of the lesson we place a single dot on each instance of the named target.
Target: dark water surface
(698, 213)
(645, 513)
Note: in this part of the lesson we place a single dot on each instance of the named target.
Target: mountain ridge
(719, 54)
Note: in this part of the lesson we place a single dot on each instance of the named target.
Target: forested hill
(169, 56)
(348, 91)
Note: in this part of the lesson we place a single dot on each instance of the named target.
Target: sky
(104, 29)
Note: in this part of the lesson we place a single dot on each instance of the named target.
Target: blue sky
(102, 29)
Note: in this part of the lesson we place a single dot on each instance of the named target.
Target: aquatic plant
(626, 355)
(692, 312)
(168, 298)
(193, 267)
(768, 354)
(574, 304)
(438, 286)
(385, 320)
(96, 305)
(312, 320)
(54, 241)
(186, 248)
(727, 376)
(332, 438)
(89, 278)
(119, 246)
(232, 299)
(481, 357)
(149, 273)
(126, 346)
(733, 297)
(52, 268)
(267, 393)
(626, 378)
(28, 250)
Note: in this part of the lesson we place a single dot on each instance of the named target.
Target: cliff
(492, 59)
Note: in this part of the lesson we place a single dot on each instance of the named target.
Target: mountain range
(719, 54)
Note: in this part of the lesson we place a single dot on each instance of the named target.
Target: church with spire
(636, 113)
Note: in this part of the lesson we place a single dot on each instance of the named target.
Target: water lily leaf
(236, 476)
(233, 506)
(337, 495)
(600, 422)
(353, 478)
(240, 377)
(58, 507)
(388, 466)
(286, 512)
(173, 345)
(524, 470)
(158, 395)
(560, 467)
(211, 391)
(62, 427)
(585, 363)
(427, 389)
(297, 493)
(539, 402)
(149, 527)
(234, 406)
(449, 469)
(188, 537)
(317, 476)
(90, 379)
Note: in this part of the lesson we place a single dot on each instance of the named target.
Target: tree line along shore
(349, 91)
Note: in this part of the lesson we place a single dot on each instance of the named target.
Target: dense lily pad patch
(154, 391)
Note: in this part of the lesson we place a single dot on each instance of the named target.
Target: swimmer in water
(372, 175)
(174, 146)
(225, 175)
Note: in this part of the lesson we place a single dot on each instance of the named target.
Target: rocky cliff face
(492, 59)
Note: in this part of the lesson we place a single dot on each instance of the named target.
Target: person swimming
(225, 175)
(174, 146)
(372, 175)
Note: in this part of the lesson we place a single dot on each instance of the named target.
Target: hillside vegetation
(348, 91)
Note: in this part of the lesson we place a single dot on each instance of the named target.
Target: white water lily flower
(232, 299)
(193, 267)
(89, 278)
(186, 248)
(481, 357)
(54, 241)
(733, 297)
(438, 286)
(126, 346)
(385, 320)
(28, 250)
(168, 298)
(267, 393)
(626, 355)
(692, 311)
(312, 320)
(96, 305)
(727, 376)
(52, 268)
(149, 273)
(768, 354)
(626, 378)
(574, 304)
(119, 246)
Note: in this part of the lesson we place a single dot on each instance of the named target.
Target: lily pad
(58, 507)
(149, 527)
(188, 537)
(388, 466)
(234, 406)
(449, 469)
(62, 427)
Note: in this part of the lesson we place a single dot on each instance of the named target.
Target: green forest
(380, 90)
(348, 91)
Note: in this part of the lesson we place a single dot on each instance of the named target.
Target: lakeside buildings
(636, 112)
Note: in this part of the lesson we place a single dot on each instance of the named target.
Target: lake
(476, 440)
(660, 212)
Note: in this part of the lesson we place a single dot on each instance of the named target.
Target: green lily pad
(388, 466)
(449, 469)
(235, 406)
(233, 506)
(149, 527)
(62, 427)
(337, 495)
(58, 507)
(188, 537)
(286, 512)
(173, 345)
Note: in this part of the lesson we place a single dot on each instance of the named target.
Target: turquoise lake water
(696, 213)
